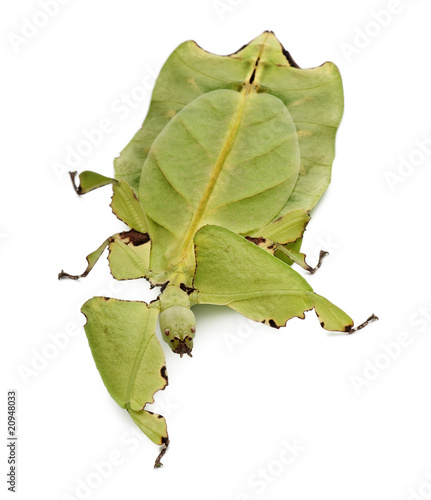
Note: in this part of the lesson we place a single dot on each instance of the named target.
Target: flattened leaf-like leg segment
(153, 426)
(332, 318)
(129, 358)
(285, 229)
(283, 239)
(295, 246)
(92, 258)
(235, 272)
(129, 255)
(288, 253)
(89, 180)
(128, 208)
(124, 204)
(299, 258)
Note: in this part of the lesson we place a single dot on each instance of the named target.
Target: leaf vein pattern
(169, 181)
(307, 88)
(250, 196)
(143, 344)
(189, 131)
(200, 72)
(264, 153)
(313, 123)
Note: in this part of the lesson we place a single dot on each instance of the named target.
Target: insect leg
(92, 258)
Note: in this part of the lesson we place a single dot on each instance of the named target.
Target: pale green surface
(176, 320)
(127, 207)
(313, 97)
(287, 228)
(91, 180)
(331, 317)
(295, 246)
(151, 424)
(233, 271)
(294, 256)
(207, 167)
(232, 146)
(122, 338)
(124, 204)
(127, 353)
(127, 259)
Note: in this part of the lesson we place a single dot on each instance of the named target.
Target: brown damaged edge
(165, 440)
(134, 237)
(164, 374)
(186, 288)
(257, 241)
(286, 54)
(289, 57)
(273, 324)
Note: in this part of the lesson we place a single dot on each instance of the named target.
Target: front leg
(129, 256)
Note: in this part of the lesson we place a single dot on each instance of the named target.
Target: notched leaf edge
(163, 373)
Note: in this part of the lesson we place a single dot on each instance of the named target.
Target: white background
(249, 389)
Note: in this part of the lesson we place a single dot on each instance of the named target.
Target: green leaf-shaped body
(313, 98)
(216, 188)
(206, 167)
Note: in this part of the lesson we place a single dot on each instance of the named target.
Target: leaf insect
(216, 189)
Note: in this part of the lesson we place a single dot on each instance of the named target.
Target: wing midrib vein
(218, 166)
(227, 147)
